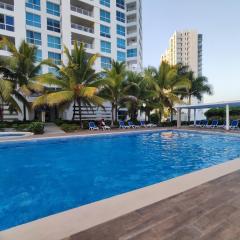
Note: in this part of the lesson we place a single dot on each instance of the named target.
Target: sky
(217, 20)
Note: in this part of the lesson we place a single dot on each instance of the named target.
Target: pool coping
(30, 137)
(65, 224)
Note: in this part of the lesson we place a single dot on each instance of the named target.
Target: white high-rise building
(112, 28)
(185, 47)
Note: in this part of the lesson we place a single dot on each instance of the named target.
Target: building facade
(185, 47)
(112, 28)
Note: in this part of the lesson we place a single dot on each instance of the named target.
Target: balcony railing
(81, 11)
(131, 9)
(131, 20)
(82, 28)
(7, 6)
(86, 45)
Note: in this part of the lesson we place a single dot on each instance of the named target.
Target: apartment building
(112, 28)
(185, 47)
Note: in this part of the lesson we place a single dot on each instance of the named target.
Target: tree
(76, 83)
(6, 90)
(22, 68)
(115, 88)
(198, 87)
(164, 83)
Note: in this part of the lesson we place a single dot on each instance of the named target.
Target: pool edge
(65, 224)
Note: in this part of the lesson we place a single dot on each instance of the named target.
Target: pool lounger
(234, 124)
(131, 125)
(122, 125)
(92, 126)
(214, 124)
(204, 123)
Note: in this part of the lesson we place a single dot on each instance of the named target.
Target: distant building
(185, 47)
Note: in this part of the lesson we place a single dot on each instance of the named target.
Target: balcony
(6, 6)
(82, 11)
(86, 45)
(82, 28)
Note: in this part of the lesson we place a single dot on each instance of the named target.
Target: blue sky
(217, 20)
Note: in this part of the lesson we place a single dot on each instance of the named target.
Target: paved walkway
(52, 128)
(208, 212)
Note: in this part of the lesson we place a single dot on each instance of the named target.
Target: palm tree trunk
(80, 113)
(2, 111)
(171, 114)
(112, 110)
(116, 112)
(74, 110)
(24, 112)
(189, 110)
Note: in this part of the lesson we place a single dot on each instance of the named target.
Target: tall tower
(185, 47)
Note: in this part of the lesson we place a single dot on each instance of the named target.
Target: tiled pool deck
(210, 211)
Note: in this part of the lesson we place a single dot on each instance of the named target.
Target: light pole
(144, 107)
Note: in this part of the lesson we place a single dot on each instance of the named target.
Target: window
(54, 71)
(34, 4)
(105, 47)
(53, 8)
(34, 37)
(105, 3)
(120, 16)
(53, 25)
(105, 16)
(121, 30)
(132, 52)
(121, 43)
(121, 4)
(106, 62)
(39, 55)
(54, 42)
(121, 56)
(55, 57)
(105, 31)
(33, 20)
(6, 23)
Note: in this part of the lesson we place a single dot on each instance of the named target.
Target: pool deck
(202, 205)
(210, 211)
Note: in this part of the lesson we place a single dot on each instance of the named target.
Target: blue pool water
(7, 135)
(40, 178)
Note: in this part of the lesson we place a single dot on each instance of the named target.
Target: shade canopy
(210, 105)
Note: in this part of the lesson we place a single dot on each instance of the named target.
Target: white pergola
(205, 106)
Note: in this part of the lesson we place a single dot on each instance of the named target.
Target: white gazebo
(205, 106)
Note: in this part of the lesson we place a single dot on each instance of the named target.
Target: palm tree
(164, 83)
(76, 83)
(116, 88)
(198, 87)
(6, 90)
(22, 68)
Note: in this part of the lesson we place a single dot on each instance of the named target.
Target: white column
(179, 117)
(195, 112)
(227, 117)
(43, 113)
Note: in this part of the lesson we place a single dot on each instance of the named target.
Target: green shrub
(3, 125)
(36, 127)
(72, 127)
(21, 126)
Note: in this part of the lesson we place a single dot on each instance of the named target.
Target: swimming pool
(9, 135)
(42, 177)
